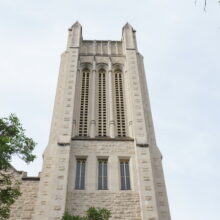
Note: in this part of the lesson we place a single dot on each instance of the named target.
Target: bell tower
(102, 150)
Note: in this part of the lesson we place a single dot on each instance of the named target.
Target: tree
(91, 214)
(13, 142)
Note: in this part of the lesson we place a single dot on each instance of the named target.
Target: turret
(75, 35)
(129, 37)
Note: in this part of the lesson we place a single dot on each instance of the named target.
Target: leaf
(13, 141)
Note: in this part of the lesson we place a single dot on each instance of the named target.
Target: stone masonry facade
(102, 149)
(23, 208)
(122, 204)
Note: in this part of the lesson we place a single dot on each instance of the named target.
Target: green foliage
(91, 214)
(8, 195)
(98, 214)
(67, 216)
(13, 142)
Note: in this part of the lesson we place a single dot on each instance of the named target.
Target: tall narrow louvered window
(102, 103)
(119, 104)
(83, 118)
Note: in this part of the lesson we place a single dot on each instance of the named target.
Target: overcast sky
(180, 44)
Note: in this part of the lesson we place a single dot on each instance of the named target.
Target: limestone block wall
(23, 208)
(92, 47)
(124, 204)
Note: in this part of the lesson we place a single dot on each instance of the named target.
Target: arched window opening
(102, 103)
(83, 119)
(119, 104)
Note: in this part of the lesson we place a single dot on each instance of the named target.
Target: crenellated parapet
(101, 48)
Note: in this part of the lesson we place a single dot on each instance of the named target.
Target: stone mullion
(111, 106)
(93, 105)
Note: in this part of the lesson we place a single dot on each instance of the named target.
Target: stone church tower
(102, 150)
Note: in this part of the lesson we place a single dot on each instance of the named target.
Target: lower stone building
(24, 206)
